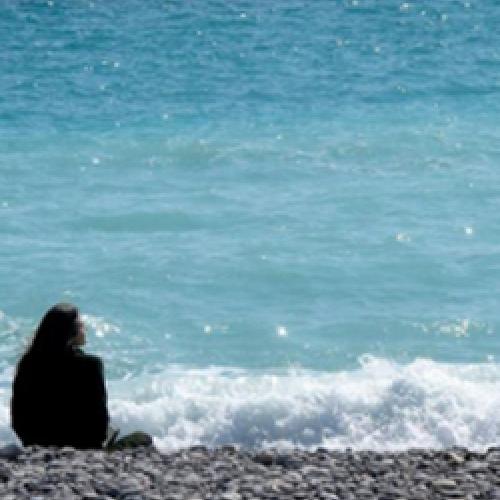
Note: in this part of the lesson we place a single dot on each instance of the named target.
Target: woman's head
(60, 327)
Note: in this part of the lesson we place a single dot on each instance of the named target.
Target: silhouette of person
(58, 394)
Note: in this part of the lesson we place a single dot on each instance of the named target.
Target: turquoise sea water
(280, 219)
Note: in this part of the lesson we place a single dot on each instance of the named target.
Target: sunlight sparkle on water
(281, 331)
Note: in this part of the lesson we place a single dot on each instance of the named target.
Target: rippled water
(241, 192)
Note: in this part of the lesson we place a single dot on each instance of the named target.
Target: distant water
(280, 219)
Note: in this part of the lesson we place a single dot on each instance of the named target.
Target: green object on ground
(132, 440)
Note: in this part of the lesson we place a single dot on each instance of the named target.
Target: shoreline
(230, 473)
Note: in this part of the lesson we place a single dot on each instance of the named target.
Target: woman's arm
(94, 403)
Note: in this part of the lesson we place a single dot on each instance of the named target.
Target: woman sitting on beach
(59, 396)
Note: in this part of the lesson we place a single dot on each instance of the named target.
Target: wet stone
(455, 458)
(264, 458)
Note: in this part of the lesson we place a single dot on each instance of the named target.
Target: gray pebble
(444, 483)
(231, 496)
(264, 458)
(227, 473)
(10, 452)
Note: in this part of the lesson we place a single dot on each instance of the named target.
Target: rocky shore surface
(228, 473)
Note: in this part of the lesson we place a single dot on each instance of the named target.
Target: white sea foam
(459, 327)
(10, 325)
(100, 326)
(381, 405)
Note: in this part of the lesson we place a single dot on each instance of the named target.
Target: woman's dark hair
(58, 326)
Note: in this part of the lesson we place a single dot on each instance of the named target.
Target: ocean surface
(280, 219)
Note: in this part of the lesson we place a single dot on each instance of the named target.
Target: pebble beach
(229, 473)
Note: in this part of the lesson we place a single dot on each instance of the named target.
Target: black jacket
(60, 400)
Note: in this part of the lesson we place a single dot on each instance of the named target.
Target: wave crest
(382, 405)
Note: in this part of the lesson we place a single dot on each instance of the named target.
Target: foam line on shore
(380, 406)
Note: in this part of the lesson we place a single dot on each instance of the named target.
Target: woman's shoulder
(87, 360)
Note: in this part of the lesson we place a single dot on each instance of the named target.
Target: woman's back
(59, 398)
